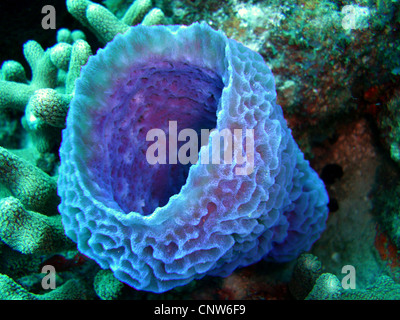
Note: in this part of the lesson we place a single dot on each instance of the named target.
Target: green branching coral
(105, 25)
(35, 189)
(327, 287)
(383, 289)
(305, 274)
(15, 95)
(13, 71)
(10, 290)
(80, 54)
(16, 264)
(106, 286)
(48, 106)
(137, 12)
(45, 98)
(309, 283)
(30, 232)
(60, 55)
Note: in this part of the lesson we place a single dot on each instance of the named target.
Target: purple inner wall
(152, 96)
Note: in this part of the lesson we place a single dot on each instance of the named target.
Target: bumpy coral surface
(35, 189)
(161, 226)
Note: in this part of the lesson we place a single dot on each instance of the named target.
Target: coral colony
(164, 156)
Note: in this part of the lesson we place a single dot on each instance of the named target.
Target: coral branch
(35, 189)
(30, 232)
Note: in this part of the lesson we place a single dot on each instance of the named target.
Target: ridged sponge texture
(158, 226)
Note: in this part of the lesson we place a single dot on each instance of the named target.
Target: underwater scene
(200, 150)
